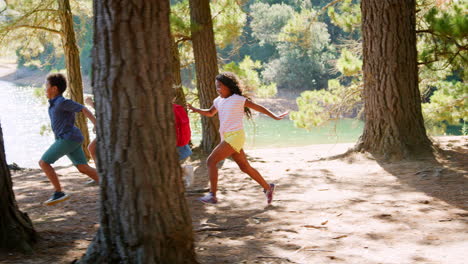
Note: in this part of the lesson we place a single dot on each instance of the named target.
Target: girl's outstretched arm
(206, 112)
(263, 110)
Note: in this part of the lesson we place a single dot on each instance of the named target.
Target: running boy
(68, 138)
(231, 105)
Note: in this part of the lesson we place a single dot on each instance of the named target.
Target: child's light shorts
(236, 139)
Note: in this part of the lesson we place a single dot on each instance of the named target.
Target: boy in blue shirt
(68, 137)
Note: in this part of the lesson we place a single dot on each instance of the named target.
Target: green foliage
(303, 50)
(443, 36)
(348, 63)
(228, 20)
(266, 91)
(32, 28)
(313, 108)
(303, 31)
(268, 21)
(180, 20)
(319, 107)
(347, 16)
(447, 106)
(442, 51)
(45, 130)
(298, 69)
(246, 70)
(296, 4)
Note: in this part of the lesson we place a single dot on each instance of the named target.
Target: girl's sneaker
(209, 198)
(91, 183)
(56, 198)
(269, 193)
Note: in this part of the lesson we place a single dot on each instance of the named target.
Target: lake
(22, 115)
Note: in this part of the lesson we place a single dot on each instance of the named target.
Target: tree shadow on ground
(64, 230)
(239, 228)
(445, 178)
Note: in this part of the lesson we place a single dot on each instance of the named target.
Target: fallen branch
(211, 229)
(197, 191)
(204, 229)
(262, 257)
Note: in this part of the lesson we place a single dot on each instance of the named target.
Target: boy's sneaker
(188, 175)
(56, 198)
(269, 193)
(209, 199)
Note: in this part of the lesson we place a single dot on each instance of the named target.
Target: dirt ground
(349, 210)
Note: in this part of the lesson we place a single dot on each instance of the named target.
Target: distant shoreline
(9, 72)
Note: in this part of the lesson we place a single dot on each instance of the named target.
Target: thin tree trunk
(144, 214)
(176, 76)
(394, 127)
(206, 66)
(16, 229)
(72, 60)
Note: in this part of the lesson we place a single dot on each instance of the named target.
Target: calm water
(265, 132)
(22, 115)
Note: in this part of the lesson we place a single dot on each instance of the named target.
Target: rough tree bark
(394, 127)
(176, 76)
(72, 61)
(16, 229)
(206, 66)
(144, 214)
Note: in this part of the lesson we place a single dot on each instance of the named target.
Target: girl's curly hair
(231, 81)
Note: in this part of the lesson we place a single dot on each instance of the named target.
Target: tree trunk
(394, 127)
(176, 76)
(206, 66)
(16, 229)
(144, 214)
(72, 60)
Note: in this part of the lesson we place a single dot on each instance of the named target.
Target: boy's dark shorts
(62, 147)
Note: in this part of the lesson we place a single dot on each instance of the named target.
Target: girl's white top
(230, 112)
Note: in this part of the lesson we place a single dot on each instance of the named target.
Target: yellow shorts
(236, 139)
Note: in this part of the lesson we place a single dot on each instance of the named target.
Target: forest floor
(349, 210)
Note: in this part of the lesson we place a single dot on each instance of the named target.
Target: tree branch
(426, 62)
(6, 7)
(34, 27)
(181, 38)
(425, 31)
(47, 10)
(328, 5)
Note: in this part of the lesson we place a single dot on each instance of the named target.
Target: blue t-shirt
(62, 118)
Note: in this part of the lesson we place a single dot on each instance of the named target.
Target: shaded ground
(352, 210)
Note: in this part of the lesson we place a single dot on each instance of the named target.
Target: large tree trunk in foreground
(144, 215)
(206, 66)
(16, 229)
(72, 61)
(394, 127)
